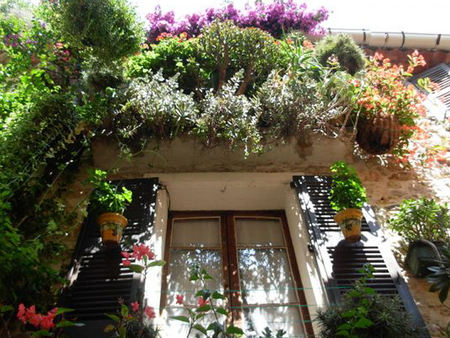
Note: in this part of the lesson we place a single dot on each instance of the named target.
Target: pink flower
(126, 255)
(59, 45)
(46, 323)
(139, 251)
(149, 312)
(21, 313)
(180, 299)
(135, 306)
(201, 301)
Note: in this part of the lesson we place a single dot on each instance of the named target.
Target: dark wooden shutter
(340, 261)
(98, 278)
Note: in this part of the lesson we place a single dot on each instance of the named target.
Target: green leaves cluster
(106, 196)
(346, 187)
(363, 313)
(422, 219)
(440, 276)
(107, 30)
(208, 307)
(349, 56)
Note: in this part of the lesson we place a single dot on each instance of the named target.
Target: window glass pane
(196, 232)
(254, 232)
(265, 276)
(276, 318)
(180, 271)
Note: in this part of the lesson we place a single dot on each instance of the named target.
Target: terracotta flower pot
(349, 221)
(111, 227)
(378, 135)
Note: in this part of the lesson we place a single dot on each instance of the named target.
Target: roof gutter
(404, 40)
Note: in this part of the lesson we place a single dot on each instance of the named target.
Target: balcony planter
(349, 220)
(111, 227)
(378, 135)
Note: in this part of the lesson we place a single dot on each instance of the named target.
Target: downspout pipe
(403, 40)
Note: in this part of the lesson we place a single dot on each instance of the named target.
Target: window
(249, 255)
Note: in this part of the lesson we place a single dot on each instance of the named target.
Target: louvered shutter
(439, 75)
(340, 261)
(98, 278)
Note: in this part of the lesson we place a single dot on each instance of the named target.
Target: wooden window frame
(230, 270)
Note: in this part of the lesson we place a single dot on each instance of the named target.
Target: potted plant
(386, 109)
(425, 226)
(347, 197)
(364, 313)
(109, 203)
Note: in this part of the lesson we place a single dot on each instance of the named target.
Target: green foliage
(107, 197)
(31, 64)
(346, 188)
(233, 48)
(228, 118)
(349, 56)
(153, 108)
(213, 58)
(440, 276)
(363, 313)
(209, 303)
(175, 56)
(422, 219)
(290, 104)
(108, 30)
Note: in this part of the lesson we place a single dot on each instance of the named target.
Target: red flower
(180, 299)
(149, 312)
(140, 251)
(21, 313)
(201, 301)
(135, 306)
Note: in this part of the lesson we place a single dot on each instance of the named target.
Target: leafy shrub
(175, 55)
(290, 104)
(108, 29)
(363, 313)
(440, 276)
(153, 108)
(275, 18)
(349, 56)
(107, 197)
(211, 59)
(233, 48)
(228, 118)
(422, 219)
(346, 187)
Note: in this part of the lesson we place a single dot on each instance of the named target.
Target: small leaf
(156, 263)
(200, 328)
(180, 318)
(113, 317)
(6, 308)
(136, 268)
(65, 323)
(234, 330)
(222, 311)
(124, 311)
(363, 323)
(217, 295)
(204, 308)
(63, 310)
(109, 328)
